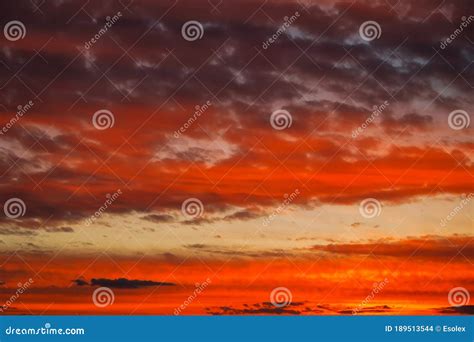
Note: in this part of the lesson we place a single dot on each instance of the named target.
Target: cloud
(231, 146)
(80, 282)
(121, 283)
(243, 215)
(233, 252)
(428, 247)
(126, 283)
(459, 310)
(159, 218)
(60, 230)
(264, 308)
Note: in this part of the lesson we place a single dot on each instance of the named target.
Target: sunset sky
(321, 159)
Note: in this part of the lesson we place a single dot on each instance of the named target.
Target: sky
(232, 158)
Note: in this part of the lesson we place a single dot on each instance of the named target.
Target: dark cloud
(265, 308)
(60, 230)
(428, 247)
(226, 251)
(330, 89)
(159, 218)
(243, 215)
(80, 282)
(375, 309)
(124, 283)
(457, 310)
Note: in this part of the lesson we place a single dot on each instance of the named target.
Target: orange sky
(276, 206)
